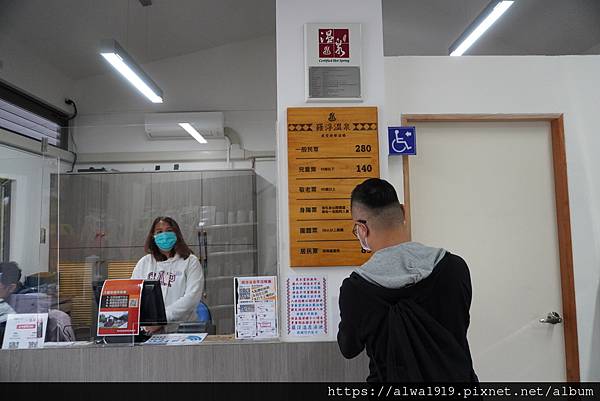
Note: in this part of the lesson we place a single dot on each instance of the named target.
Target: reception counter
(215, 359)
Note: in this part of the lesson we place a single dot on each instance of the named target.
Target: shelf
(215, 226)
(232, 252)
(217, 278)
(218, 307)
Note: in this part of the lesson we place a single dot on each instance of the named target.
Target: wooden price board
(330, 151)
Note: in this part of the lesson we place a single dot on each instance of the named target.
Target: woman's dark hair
(9, 273)
(180, 248)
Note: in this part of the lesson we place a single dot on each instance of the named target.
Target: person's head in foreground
(10, 275)
(377, 214)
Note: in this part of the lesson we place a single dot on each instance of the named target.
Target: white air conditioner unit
(165, 126)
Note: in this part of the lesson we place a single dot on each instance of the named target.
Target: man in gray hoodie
(408, 305)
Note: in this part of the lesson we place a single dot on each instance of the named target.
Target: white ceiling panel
(66, 33)
(529, 27)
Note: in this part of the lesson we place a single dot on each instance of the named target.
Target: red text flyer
(119, 309)
(306, 305)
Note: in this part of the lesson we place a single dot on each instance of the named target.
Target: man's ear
(12, 288)
(403, 213)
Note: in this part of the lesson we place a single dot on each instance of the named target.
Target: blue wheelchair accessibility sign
(402, 140)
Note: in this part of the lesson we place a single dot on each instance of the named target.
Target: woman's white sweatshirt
(182, 282)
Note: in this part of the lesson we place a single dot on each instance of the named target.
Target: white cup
(220, 218)
(230, 217)
(242, 216)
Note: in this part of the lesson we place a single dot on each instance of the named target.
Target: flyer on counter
(306, 305)
(255, 307)
(119, 309)
(176, 339)
(25, 330)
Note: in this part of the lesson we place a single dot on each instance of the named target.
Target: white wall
(238, 79)
(291, 16)
(26, 71)
(31, 175)
(569, 85)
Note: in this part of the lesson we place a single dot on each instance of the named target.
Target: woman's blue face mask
(165, 241)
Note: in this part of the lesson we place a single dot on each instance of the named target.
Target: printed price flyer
(306, 306)
(176, 339)
(119, 309)
(255, 307)
(25, 330)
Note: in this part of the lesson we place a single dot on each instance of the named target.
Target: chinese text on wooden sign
(330, 151)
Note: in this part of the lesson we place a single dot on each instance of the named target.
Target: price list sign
(330, 151)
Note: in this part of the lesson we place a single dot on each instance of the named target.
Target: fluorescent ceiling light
(126, 65)
(482, 23)
(192, 131)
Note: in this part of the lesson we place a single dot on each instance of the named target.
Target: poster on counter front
(119, 309)
(255, 307)
(25, 330)
(306, 310)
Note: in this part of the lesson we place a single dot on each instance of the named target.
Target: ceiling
(66, 33)
(529, 27)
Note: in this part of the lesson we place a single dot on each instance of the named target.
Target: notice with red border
(306, 306)
(119, 309)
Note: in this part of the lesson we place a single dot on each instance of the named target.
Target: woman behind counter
(171, 262)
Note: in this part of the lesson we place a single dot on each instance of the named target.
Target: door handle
(552, 318)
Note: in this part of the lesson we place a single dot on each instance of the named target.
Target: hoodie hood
(401, 265)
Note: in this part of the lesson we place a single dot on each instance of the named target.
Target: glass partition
(29, 279)
(105, 229)
(69, 228)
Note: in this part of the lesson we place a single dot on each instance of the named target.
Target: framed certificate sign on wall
(333, 57)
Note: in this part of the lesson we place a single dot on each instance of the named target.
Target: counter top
(217, 358)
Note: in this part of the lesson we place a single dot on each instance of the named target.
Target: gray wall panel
(160, 363)
(5, 365)
(113, 363)
(45, 365)
(206, 362)
(127, 211)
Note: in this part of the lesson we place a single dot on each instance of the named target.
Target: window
(5, 202)
(27, 116)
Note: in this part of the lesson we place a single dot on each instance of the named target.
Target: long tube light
(482, 23)
(192, 131)
(114, 53)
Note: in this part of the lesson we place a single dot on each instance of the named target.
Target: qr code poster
(119, 307)
(25, 330)
(255, 307)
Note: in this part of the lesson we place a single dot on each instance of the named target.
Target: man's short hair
(379, 198)
(9, 273)
(375, 193)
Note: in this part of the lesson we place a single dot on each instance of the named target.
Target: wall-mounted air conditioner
(165, 126)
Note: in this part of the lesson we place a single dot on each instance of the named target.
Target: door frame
(563, 216)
